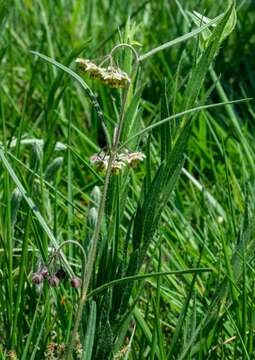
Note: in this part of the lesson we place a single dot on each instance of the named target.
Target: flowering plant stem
(64, 243)
(88, 269)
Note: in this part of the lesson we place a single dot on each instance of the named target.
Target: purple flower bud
(53, 281)
(76, 282)
(61, 274)
(37, 278)
(44, 271)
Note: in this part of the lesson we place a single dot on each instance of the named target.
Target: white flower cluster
(100, 161)
(111, 76)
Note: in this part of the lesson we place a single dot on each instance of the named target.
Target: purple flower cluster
(55, 278)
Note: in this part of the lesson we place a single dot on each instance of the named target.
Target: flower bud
(60, 274)
(76, 282)
(96, 195)
(53, 281)
(135, 158)
(37, 278)
(92, 217)
(44, 272)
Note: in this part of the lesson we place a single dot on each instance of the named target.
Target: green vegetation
(127, 227)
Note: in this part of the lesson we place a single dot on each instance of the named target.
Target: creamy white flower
(111, 76)
(99, 161)
(121, 160)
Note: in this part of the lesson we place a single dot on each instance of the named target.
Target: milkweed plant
(101, 290)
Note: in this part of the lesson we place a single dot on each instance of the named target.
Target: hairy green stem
(91, 258)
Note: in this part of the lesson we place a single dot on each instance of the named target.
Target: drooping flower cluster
(111, 76)
(132, 159)
(55, 278)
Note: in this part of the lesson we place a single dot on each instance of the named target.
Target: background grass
(49, 129)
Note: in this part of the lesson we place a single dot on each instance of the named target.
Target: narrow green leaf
(182, 38)
(90, 333)
(179, 115)
(144, 276)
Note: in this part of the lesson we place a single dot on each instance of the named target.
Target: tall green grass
(168, 264)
